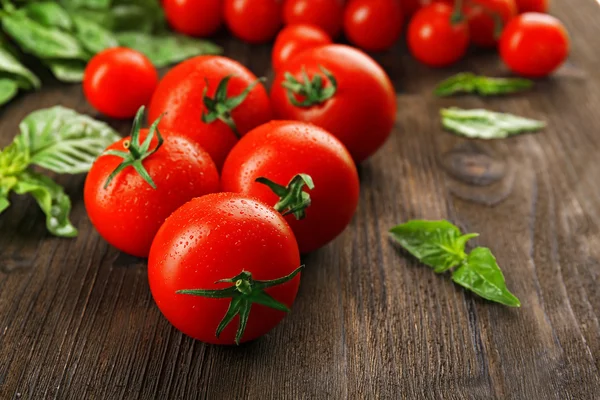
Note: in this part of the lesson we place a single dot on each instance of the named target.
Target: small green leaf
(467, 82)
(438, 244)
(40, 40)
(92, 36)
(481, 274)
(10, 65)
(8, 89)
(69, 71)
(166, 49)
(4, 203)
(485, 124)
(52, 200)
(62, 140)
(49, 14)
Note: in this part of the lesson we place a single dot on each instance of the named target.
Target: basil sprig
(64, 35)
(485, 124)
(468, 82)
(60, 140)
(441, 245)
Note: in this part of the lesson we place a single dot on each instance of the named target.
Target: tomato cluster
(231, 184)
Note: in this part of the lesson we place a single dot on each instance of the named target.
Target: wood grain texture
(77, 320)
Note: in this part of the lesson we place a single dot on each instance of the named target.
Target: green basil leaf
(62, 140)
(42, 41)
(8, 89)
(485, 124)
(92, 36)
(52, 200)
(438, 244)
(94, 4)
(49, 14)
(470, 83)
(12, 66)
(70, 71)
(4, 203)
(481, 274)
(167, 49)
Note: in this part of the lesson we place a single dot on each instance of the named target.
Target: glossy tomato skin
(199, 18)
(363, 111)
(434, 40)
(279, 150)
(253, 21)
(216, 237)
(373, 25)
(540, 6)
(178, 98)
(294, 39)
(128, 213)
(118, 81)
(482, 26)
(326, 14)
(534, 45)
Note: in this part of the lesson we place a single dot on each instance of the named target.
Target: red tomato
(279, 151)
(374, 25)
(294, 39)
(129, 210)
(180, 96)
(534, 45)
(482, 25)
(194, 17)
(326, 14)
(118, 81)
(254, 21)
(359, 109)
(434, 40)
(216, 237)
(540, 6)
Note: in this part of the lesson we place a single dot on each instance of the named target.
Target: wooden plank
(77, 319)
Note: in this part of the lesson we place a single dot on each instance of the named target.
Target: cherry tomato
(374, 25)
(279, 152)
(118, 81)
(254, 21)
(224, 236)
(194, 17)
(534, 45)
(482, 24)
(181, 97)
(540, 6)
(342, 90)
(434, 39)
(294, 39)
(326, 14)
(128, 208)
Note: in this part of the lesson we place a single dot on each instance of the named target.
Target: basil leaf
(42, 41)
(4, 203)
(49, 14)
(92, 36)
(470, 83)
(12, 66)
(485, 124)
(95, 4)
(8, 89)
(438, 244)
(481, 274)
(62, 140)
(166, 49)
(52, 200)
(70, 71)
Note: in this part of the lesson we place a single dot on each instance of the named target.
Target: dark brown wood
(77, 320)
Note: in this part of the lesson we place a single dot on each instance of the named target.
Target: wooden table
(77, 319)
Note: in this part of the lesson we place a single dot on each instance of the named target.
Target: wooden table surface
(77, 320)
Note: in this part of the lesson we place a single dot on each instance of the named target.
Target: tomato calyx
(244, 292)
(221, 106)
(292, 199)
(136, 152)
(312, 90)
